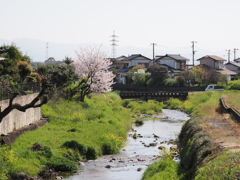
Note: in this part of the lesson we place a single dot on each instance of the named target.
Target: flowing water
(133, 159)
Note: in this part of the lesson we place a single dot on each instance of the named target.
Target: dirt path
(224, 131)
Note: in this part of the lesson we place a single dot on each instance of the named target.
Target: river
(133, 159)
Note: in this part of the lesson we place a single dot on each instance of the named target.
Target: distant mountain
(36, 49)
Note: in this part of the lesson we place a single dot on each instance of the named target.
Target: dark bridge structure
(160, 96)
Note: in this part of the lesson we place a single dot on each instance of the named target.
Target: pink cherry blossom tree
(92, 67)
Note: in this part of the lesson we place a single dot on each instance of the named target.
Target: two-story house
(128, 63)
(233, 66)
(216, 63)
(174, 62)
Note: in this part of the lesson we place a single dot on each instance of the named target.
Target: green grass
(225, 166)
(164, 169)
(76, 130)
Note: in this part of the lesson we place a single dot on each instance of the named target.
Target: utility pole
(229, 51)
(47, 51)
(114, 44)
(234, 50)
(153, 51)
(193, 51)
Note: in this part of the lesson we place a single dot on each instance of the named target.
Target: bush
(61, 164)
(171, 83)
(82, 148)
(107, 149)
(166, 168)
(91, 153)
(138, 122)
(46, 152)
(235, 86)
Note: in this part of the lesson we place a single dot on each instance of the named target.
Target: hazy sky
(214, 24)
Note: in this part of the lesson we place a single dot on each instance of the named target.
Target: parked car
(213, 88)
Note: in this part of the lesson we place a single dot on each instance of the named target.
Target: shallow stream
(132, 160)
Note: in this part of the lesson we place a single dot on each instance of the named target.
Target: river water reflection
(133, 159)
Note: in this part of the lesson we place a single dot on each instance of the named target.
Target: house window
(183, 65)
(125, 65)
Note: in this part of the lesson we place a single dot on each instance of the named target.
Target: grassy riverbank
(209, 143)
(76, 131)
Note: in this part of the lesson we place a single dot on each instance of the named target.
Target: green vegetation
(142, 107)
(201, 157)
(76, 131)
(164, 169)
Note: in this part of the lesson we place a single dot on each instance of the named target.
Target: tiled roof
(222, 71)
(217, 58)
(177, 57)
(237, 60)
(226, 71)
(171, 69)
(124, 69)
(234, 63)
(133, 56)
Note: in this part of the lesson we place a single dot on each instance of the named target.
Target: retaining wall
(17, 119)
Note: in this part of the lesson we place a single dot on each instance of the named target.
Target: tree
(68, 60)
(13, 55)
(187, 77)
(24, 69)
(132, 71)
(197, 75)
(140, 77)
(158, 73)
(42, 96)
(92, 65)
(61, 75)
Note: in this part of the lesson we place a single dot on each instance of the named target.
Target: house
(216, 63)
(128, 63)
(233, 66)
(52, 61)
(237, 60)
(116, 62)
(213, 61)
(174, 62)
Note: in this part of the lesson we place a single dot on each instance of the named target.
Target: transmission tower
(47, 51)
(114, 44)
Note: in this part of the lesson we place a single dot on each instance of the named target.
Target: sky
(213, 24)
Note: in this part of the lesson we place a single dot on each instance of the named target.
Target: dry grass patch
(232, 100)
(222, 129)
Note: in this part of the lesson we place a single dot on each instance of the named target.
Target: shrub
(82, 148)
(107, 149)
(164, 169)
(138, 122)
(61, 164)
(235, 86)
(171, 83)
(91, 153)
(46, 152)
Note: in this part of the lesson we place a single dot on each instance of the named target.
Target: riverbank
(209, 143)
(76, 131)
